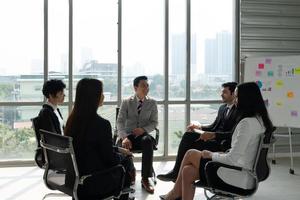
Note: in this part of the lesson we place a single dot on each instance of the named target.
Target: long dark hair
(88, 94)
(250, 103)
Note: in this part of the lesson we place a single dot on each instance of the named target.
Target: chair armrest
(218, 165)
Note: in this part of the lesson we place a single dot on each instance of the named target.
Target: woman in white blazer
(253, 122)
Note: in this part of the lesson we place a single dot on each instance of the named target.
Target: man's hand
(191, 127)
(207, 136)
(206, 154)
(138, 131)
(126, 143)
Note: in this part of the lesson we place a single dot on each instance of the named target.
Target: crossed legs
(188, 173)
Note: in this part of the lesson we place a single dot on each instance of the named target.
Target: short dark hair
(52, 87)
(230, 85)
(138, 79)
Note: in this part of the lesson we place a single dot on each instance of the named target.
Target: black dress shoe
(170, 176)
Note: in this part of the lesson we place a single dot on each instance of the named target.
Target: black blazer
(94, 151)
(230, 121)
(48, 119)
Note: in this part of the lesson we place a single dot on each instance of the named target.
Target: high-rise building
(219, 55)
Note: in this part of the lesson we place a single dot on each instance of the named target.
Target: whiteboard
(279, 80)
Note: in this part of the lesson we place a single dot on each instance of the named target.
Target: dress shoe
(170, 176)
(147, 185)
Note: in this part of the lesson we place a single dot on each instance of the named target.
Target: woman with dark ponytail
(92, 139)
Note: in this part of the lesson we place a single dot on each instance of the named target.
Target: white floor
(25, 183)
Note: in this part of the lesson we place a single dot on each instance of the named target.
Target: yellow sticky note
(297, 70)
(279, 103)
(290, 94)
(279, 83)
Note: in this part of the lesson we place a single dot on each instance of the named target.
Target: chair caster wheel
(274, 162)
(292, 171)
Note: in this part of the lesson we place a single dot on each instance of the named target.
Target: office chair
(60, 157)
(118, 142)
(259, 173)
(38, 156)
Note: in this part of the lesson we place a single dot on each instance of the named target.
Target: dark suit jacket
(230, 122)
(48, 119)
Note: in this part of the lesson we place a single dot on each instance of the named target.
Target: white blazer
(244, 144)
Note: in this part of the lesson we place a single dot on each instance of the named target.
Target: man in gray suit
(137, 118)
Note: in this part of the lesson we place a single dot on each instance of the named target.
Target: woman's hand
(125, 152)
(206, 154)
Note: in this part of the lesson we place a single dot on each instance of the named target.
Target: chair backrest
(261, 166)
(36, 127)
(59, 155)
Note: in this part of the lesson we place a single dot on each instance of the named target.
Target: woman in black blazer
(50, 118)
(92, 137)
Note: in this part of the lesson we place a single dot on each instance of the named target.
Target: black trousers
(145, 144)
(188, 142)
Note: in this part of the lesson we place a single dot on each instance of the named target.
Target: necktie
(139, 108)
(225, 111)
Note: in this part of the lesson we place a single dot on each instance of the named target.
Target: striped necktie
(139, 108)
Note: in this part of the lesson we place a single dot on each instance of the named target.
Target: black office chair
(38, 156)
(259, 173)
(60, 157)
(118, 142)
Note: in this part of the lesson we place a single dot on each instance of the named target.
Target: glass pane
(176, 127)
(17, 138)
(212, 47)
(143, 45)
(95, 42)
(204, 113)
(109, 112)
(177, 49)
(21, 50)
(58, 40)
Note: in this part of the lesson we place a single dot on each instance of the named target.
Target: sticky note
(279, 83)
(294, 113)
(297, 71)
(270, 73)
(279, 103)
(261, 66)
(259, 83)
(258, 73)
(290, 94)
(268, 60)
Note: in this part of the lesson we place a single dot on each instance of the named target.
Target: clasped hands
(204, 136)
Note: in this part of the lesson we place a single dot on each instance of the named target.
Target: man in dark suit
(214, 136)
(136, 119)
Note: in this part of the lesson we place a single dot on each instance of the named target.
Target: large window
(188, 49)
(212, 48)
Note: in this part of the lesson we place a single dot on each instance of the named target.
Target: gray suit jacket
(129, 119)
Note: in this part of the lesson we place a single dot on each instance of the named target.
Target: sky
(95, 32)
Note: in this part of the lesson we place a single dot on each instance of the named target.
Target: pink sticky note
(261, 66)
(294, 113)
(258, 73)
(268, 60)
